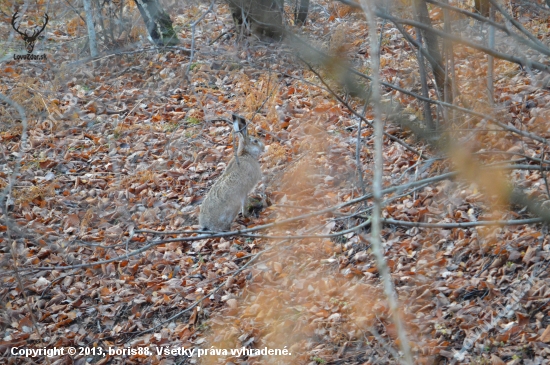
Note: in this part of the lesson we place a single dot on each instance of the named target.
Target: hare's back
(229, 192)
(219, 208)
(245, 173)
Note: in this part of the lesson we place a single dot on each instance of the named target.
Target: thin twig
(470, 14)
(7, 190)
(422, 98)
(193, 25)
(25, 297)
(197, 302)
(524, 62)
(541, 46)
(517, 197)
(376, 226)
(343, 102)
(120, 53)
(512, 222)
(543, 172)
(424, 82)
(358, 153)
(491, 62)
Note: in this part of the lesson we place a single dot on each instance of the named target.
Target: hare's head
(247, 144)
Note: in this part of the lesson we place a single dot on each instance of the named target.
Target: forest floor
(98, 245)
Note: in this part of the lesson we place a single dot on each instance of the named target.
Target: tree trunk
(158, 22)
(90, 27)
(301, 10)
(432, 45)
(482, 7)
(264, 17)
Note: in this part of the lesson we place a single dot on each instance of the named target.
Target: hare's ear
(239, 125)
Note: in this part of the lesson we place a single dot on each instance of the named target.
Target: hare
(228, 194)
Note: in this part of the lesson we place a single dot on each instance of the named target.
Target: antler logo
(29, 39)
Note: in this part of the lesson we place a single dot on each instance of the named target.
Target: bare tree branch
(376, 226)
